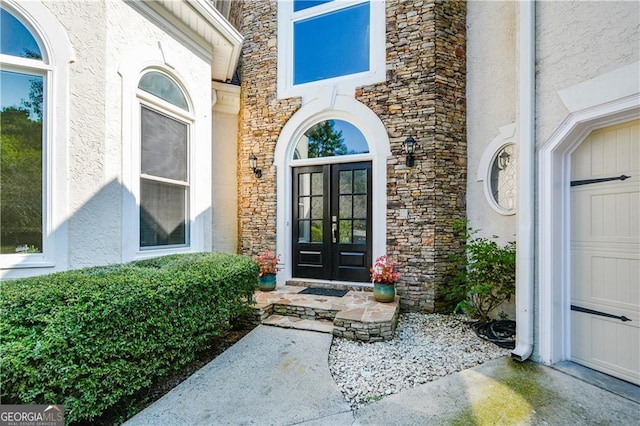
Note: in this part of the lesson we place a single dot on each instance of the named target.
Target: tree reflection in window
(331, 138)
(22, 118)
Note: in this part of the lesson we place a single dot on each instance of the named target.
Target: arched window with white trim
(24, 76)
(34, 56)
(165, 128)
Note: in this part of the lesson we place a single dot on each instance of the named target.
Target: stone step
(322, 326)
(355, 316)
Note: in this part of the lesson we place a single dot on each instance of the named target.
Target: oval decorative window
(502, 178)
(330, 138)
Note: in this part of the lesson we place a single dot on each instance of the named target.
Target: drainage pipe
(526, 174)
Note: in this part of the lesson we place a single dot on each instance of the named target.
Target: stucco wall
(491, 102)
(224, 169)
(575, 42)
(103, 35)
(91, 197)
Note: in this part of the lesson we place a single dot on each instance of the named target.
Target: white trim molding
(605, 88)
(324, 108)
(225, 98)
(554, 169)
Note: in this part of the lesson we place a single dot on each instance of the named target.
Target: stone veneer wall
(424, 96)
(450, 148)
(262, 117)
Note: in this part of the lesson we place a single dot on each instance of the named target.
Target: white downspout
(526, 193)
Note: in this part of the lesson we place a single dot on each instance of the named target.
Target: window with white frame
(329, 42)
(165, 122)
(23, 141)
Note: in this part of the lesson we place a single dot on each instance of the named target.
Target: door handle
(602, 314)
(334, 229)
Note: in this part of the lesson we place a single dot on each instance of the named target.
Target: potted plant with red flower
(384, 276)
(268, 262)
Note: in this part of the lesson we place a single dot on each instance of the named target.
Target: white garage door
(605, 252)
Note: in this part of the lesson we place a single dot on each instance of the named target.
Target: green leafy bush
(91, 338)
(486, 273)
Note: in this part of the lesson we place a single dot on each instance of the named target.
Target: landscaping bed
(95, 339)
(425, 347)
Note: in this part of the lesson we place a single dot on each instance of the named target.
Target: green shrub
(486, 273)
(92, 338)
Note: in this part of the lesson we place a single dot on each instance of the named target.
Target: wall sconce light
(504, 158)
(253, 163)
(409, 146)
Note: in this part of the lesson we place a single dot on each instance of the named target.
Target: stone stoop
(322, 326)
(355, 316)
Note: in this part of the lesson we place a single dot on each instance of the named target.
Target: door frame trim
(553, 252)
(324, 107)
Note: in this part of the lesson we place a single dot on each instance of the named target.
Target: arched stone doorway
(369, 161)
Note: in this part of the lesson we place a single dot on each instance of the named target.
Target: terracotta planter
(384, 292)
(267, 282)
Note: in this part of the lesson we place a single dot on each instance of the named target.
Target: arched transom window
(330, 138)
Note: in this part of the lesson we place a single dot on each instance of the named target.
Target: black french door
(332, 222)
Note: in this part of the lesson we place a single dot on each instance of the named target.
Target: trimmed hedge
(91, 338)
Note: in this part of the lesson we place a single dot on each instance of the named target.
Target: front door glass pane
(359, 232)
(317, 184)
(353, 206)
(310, 207)
(304, 231)
(360, 181)
(345, 207)
(304, 188)
(345, 232)
(316, 231)
(304, 206)
(360, 206)
(317, 204)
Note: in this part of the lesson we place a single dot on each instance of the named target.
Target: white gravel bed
(425, 347)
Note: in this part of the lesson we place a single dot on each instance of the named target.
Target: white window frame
(131, 214)
(160, 106)
(344, 84)
(56, 54)
(132, 67)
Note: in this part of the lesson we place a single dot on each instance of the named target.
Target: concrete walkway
(279, 376)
